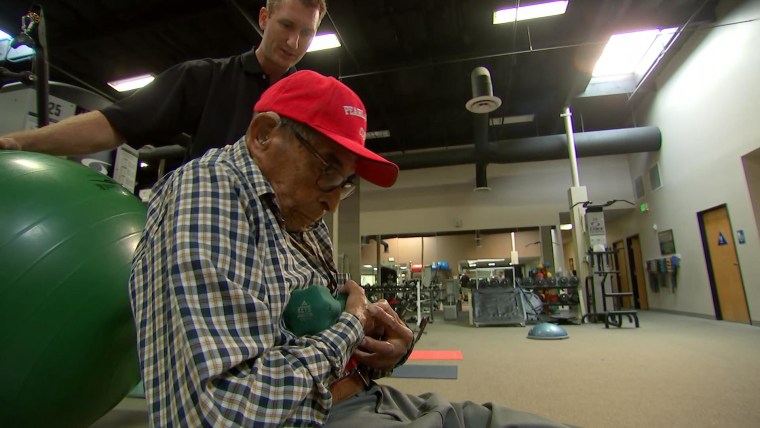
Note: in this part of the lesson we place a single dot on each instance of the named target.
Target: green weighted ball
(67, 340)
(312, 309)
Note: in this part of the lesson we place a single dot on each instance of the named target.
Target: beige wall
(709, 123)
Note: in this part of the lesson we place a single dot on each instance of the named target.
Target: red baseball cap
(332, 109)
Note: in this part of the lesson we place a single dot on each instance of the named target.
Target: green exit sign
(644, 207)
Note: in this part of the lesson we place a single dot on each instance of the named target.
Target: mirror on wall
(442, 256)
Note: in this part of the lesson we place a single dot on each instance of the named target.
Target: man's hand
(7, 143)
(357, 305)
(387, 342)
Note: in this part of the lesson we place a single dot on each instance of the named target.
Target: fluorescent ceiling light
(131, 83)
(567, 226)
(324, 41)
(509, 120)
(13, 55)
(529, 12)
(373, 135)
(632, 52)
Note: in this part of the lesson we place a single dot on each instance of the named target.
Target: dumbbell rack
(424, 302)
(568, 284)
(601, 264)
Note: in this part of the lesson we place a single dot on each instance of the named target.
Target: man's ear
(263, 18)
(260, 129)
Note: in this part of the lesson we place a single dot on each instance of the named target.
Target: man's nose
(332, 199)
(293, 40)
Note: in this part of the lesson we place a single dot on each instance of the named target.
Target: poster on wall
(667, 245)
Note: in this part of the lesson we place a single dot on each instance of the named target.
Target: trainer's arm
(81, 134)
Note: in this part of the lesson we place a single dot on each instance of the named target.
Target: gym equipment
(419, 354)
(422, 371)
(67, 238)
(547, 331)
(601, 264)
(312, 309)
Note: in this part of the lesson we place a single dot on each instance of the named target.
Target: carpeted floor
(674, 371)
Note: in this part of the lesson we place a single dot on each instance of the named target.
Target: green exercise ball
(67, 341)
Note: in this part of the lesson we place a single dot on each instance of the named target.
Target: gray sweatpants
(382, 406)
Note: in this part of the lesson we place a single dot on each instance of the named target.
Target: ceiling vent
(482, 100)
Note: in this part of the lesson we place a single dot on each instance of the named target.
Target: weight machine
(603, 276)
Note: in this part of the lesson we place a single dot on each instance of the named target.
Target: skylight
(532, 11)
(131, 83)
(324, 41)
(632, 53)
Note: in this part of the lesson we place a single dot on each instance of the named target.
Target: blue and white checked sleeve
(217, 278)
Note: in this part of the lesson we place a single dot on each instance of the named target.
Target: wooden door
(638, 280)
(621, 262)
(723, 266)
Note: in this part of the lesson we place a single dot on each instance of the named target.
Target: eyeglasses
(330, 178)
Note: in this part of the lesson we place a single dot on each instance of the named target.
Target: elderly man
(230, 237)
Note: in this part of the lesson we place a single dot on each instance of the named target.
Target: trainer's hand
(388, 342)
(357, 304)
(7, 143)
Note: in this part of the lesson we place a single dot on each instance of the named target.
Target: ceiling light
(632, 52)
(509, 120)
(567, 226)
(324, 41)
(532, 11)
(20, 52)
(373, 135)
(131, 83)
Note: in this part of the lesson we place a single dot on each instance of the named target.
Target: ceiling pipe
(535, 149)
(481, 150)
(568, 117)
(483, 102)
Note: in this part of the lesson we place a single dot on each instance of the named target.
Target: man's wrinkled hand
(9, 144)
(389, 340)
(357, 304)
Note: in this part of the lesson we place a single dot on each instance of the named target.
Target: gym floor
(673, 371)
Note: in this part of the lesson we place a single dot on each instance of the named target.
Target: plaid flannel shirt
(210, 280)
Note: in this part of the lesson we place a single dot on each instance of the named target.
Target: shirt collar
(251, 64)
(242, 159)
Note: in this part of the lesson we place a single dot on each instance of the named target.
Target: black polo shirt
(209, 99)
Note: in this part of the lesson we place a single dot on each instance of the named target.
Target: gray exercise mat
(425, 371)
